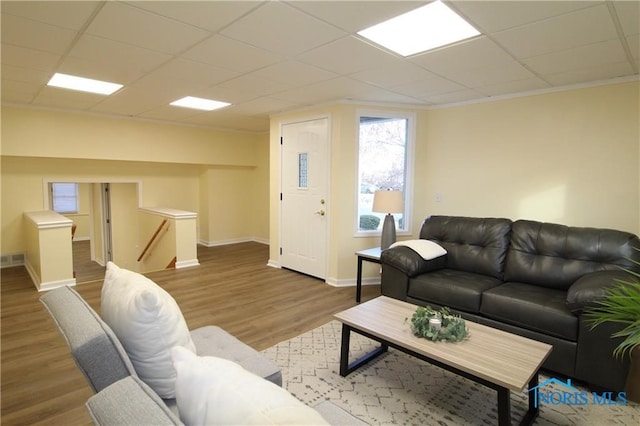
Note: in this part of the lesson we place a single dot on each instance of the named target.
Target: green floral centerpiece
(435, 325)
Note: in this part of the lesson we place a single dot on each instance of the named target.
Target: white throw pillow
(148, 323)
(426, 248)
(216, 391)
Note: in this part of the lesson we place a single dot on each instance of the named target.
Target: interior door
(304, 204)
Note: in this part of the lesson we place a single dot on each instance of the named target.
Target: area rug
(397, 389)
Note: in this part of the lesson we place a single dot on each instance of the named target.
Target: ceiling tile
(65, 14)
(293, 73)
(396, 74)
(503, 73)
(628, 13)
(231, 54)
(590, 25)
(36, 35)
(337, 88)
(290, 32)
(493, 16)
(132, 100)
(634, 45)
(425, 88)
(128, 24)
(596, 73)
(184, 75)
(25, 75)
(252, 85)
(354, 55)
(477, 53)
(353, 16)
(518, 86)
(64, 98)
(209, 15)
(264, 105)
(455, 97)
(170, 113)
(29, 58)
(589, 56)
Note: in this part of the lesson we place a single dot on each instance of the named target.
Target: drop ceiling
(269, 57)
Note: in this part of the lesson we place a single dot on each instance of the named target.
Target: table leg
(359, 280)
(504, 407)
(345, 367)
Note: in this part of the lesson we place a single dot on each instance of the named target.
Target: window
(64, 197)
(383, 164)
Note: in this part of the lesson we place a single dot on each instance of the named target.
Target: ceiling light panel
(82, 84)
(422, 29)
(199, 103)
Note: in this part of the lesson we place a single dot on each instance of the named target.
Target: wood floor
(232, 288)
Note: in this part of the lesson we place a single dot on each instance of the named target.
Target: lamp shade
(388, 202)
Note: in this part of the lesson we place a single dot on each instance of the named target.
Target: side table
(370, 255)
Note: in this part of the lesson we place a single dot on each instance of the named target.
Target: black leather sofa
(530, 278)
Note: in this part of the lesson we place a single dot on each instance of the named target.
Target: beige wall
(570, 157)
(167, 161)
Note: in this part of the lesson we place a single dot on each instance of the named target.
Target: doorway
(98, 237)
(304, 198)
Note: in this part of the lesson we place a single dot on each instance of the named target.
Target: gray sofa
(526, 277)
(120, 396)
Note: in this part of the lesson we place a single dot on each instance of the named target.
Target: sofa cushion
(452, 288)
(148, 323)
(211, 340)
(477, 245)
(211, 390)
(531, 307)
(555, 256)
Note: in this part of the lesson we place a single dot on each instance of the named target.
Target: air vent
(10, 260)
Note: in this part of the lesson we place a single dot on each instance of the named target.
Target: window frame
(408, 172)
(76, 197)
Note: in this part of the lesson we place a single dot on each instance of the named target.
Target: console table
(370, 255)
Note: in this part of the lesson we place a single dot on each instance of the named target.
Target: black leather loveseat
(529, 278)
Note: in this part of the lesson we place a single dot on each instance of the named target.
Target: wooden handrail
(153, 238)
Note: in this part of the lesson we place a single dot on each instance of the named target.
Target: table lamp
(388, 202)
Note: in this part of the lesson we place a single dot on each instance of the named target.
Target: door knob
(321, 212)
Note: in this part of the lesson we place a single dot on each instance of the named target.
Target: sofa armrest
(410, 262)
(587, 290)
(129, 401)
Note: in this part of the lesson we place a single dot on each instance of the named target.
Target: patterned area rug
(397, 389)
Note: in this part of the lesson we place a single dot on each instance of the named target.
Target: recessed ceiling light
(199, 103)
(83, 84)
(421, 29)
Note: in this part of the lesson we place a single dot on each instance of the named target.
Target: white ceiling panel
(22, 32)
(502, 73)
(231, 54)
(289, 32)
(355, 55)
(128, 24)
(590, 25)
(582, 75)
(65, 14)
(294, 73)
(480, 52)
(29, 58)
(493, 16)
(519, 86)
(393, 75)
(209, 15)
(628, 13)
(267, 57)
(353, 16)
(589, 56)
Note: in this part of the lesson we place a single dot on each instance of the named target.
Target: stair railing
(153, 238)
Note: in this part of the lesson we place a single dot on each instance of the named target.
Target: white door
(304, 205)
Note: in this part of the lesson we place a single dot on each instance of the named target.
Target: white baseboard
(49, 285)
(351, 282)
(187, 263)
(273, 263)
(233, 241)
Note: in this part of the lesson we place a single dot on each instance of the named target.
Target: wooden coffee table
(491, 357)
